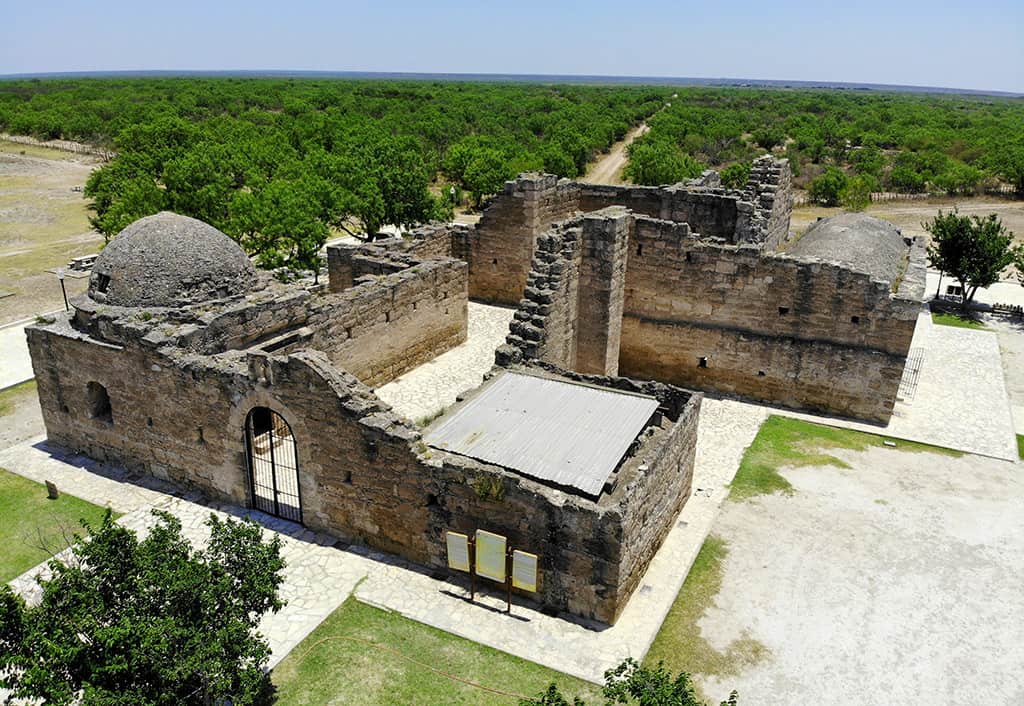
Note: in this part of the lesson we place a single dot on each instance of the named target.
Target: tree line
(281, 164)
(838, 142)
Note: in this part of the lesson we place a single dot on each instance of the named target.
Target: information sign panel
(490, 555)
(458, 551)
(524, 570)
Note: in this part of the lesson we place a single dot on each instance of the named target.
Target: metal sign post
(472, 573)
(63, 290)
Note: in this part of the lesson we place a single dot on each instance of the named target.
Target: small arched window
(99, 402)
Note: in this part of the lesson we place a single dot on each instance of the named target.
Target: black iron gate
(273, 464)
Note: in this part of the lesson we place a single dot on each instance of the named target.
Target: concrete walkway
(961, 400)
(320, 575)
(15, 363)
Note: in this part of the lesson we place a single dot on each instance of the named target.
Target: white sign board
(490, 555)
(458, 551)
(524, 571)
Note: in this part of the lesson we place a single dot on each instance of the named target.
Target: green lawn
(32, 522)
(679, 643)
(364, 655)
(783, 441)
(955, 320)
(1020, 445)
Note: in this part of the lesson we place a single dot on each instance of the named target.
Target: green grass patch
(946, 319)
(367, 656)
(784, 441)
(679, 643)
(1020, 445)
(15, 395)
(35, 527)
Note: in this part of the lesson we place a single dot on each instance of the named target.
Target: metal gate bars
(273, 464)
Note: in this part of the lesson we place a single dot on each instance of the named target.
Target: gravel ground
(897, 580)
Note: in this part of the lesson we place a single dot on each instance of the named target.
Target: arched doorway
(273, 464)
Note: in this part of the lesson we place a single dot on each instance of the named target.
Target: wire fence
(1001, 191)
(62, 145)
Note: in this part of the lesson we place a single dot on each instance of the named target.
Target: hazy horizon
(959, 46)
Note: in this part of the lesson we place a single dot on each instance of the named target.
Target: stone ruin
(698, 286)
(259, 393)
(184, 363)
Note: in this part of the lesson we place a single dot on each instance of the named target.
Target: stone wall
(501, 247)
(386, 325)
(730, 318)
(602, 274)
(364, 475)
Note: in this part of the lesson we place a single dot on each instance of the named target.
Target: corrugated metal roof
(569, 434)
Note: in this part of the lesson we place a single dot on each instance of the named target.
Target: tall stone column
(602, 290)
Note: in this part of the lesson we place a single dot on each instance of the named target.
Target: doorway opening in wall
(273, 464)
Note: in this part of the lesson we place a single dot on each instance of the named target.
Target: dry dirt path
(608, 169)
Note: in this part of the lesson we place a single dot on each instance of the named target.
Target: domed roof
(860, 241)
(169, 260)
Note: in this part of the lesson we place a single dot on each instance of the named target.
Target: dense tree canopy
(148, 622)
(280, 164)
(906, 142)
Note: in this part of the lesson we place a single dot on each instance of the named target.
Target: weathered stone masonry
(724, 314)
(166, 391)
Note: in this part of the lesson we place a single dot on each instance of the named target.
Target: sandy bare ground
(43, 224)
(608, 169)
(897, 580)
(908, 215)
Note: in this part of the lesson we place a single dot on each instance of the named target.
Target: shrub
(828, 188)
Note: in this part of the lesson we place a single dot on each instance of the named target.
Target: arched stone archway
(272, 456)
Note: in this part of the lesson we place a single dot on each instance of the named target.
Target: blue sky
(956, 44)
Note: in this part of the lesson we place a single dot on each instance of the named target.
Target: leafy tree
(768, 138)
(972, 249)
(659, 162)
(486, 173)
(633, 683)
(827, 188)
(1009, 163)
(959, 178)
(857, 194)
(735, 176)
(149, 622)
(905, 179)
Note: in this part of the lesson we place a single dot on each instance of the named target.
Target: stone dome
(169, 260)
(857, 240)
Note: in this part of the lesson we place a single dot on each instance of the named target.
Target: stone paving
(961, 377)
(319, 575)
(961, 400)
(432, 387)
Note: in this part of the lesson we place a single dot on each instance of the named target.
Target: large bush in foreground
(150, 622)
(633, 683)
